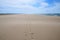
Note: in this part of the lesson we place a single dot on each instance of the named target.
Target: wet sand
(29, 27)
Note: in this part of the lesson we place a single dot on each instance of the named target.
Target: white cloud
(17, 3)
(54, 9)
(44, 4)
(22, 3)
(25, 6)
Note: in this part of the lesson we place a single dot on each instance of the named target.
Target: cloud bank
(29, 6)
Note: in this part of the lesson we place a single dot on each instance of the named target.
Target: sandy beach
(29, 27)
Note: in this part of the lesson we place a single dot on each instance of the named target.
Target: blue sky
(29, 6)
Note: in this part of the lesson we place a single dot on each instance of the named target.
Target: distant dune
(29, 27)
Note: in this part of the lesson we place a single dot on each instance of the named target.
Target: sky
(30, 6)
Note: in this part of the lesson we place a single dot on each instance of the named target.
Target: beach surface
(29, 27)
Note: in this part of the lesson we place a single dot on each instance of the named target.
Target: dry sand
(29, 27)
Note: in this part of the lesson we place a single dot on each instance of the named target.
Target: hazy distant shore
(47, 14)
